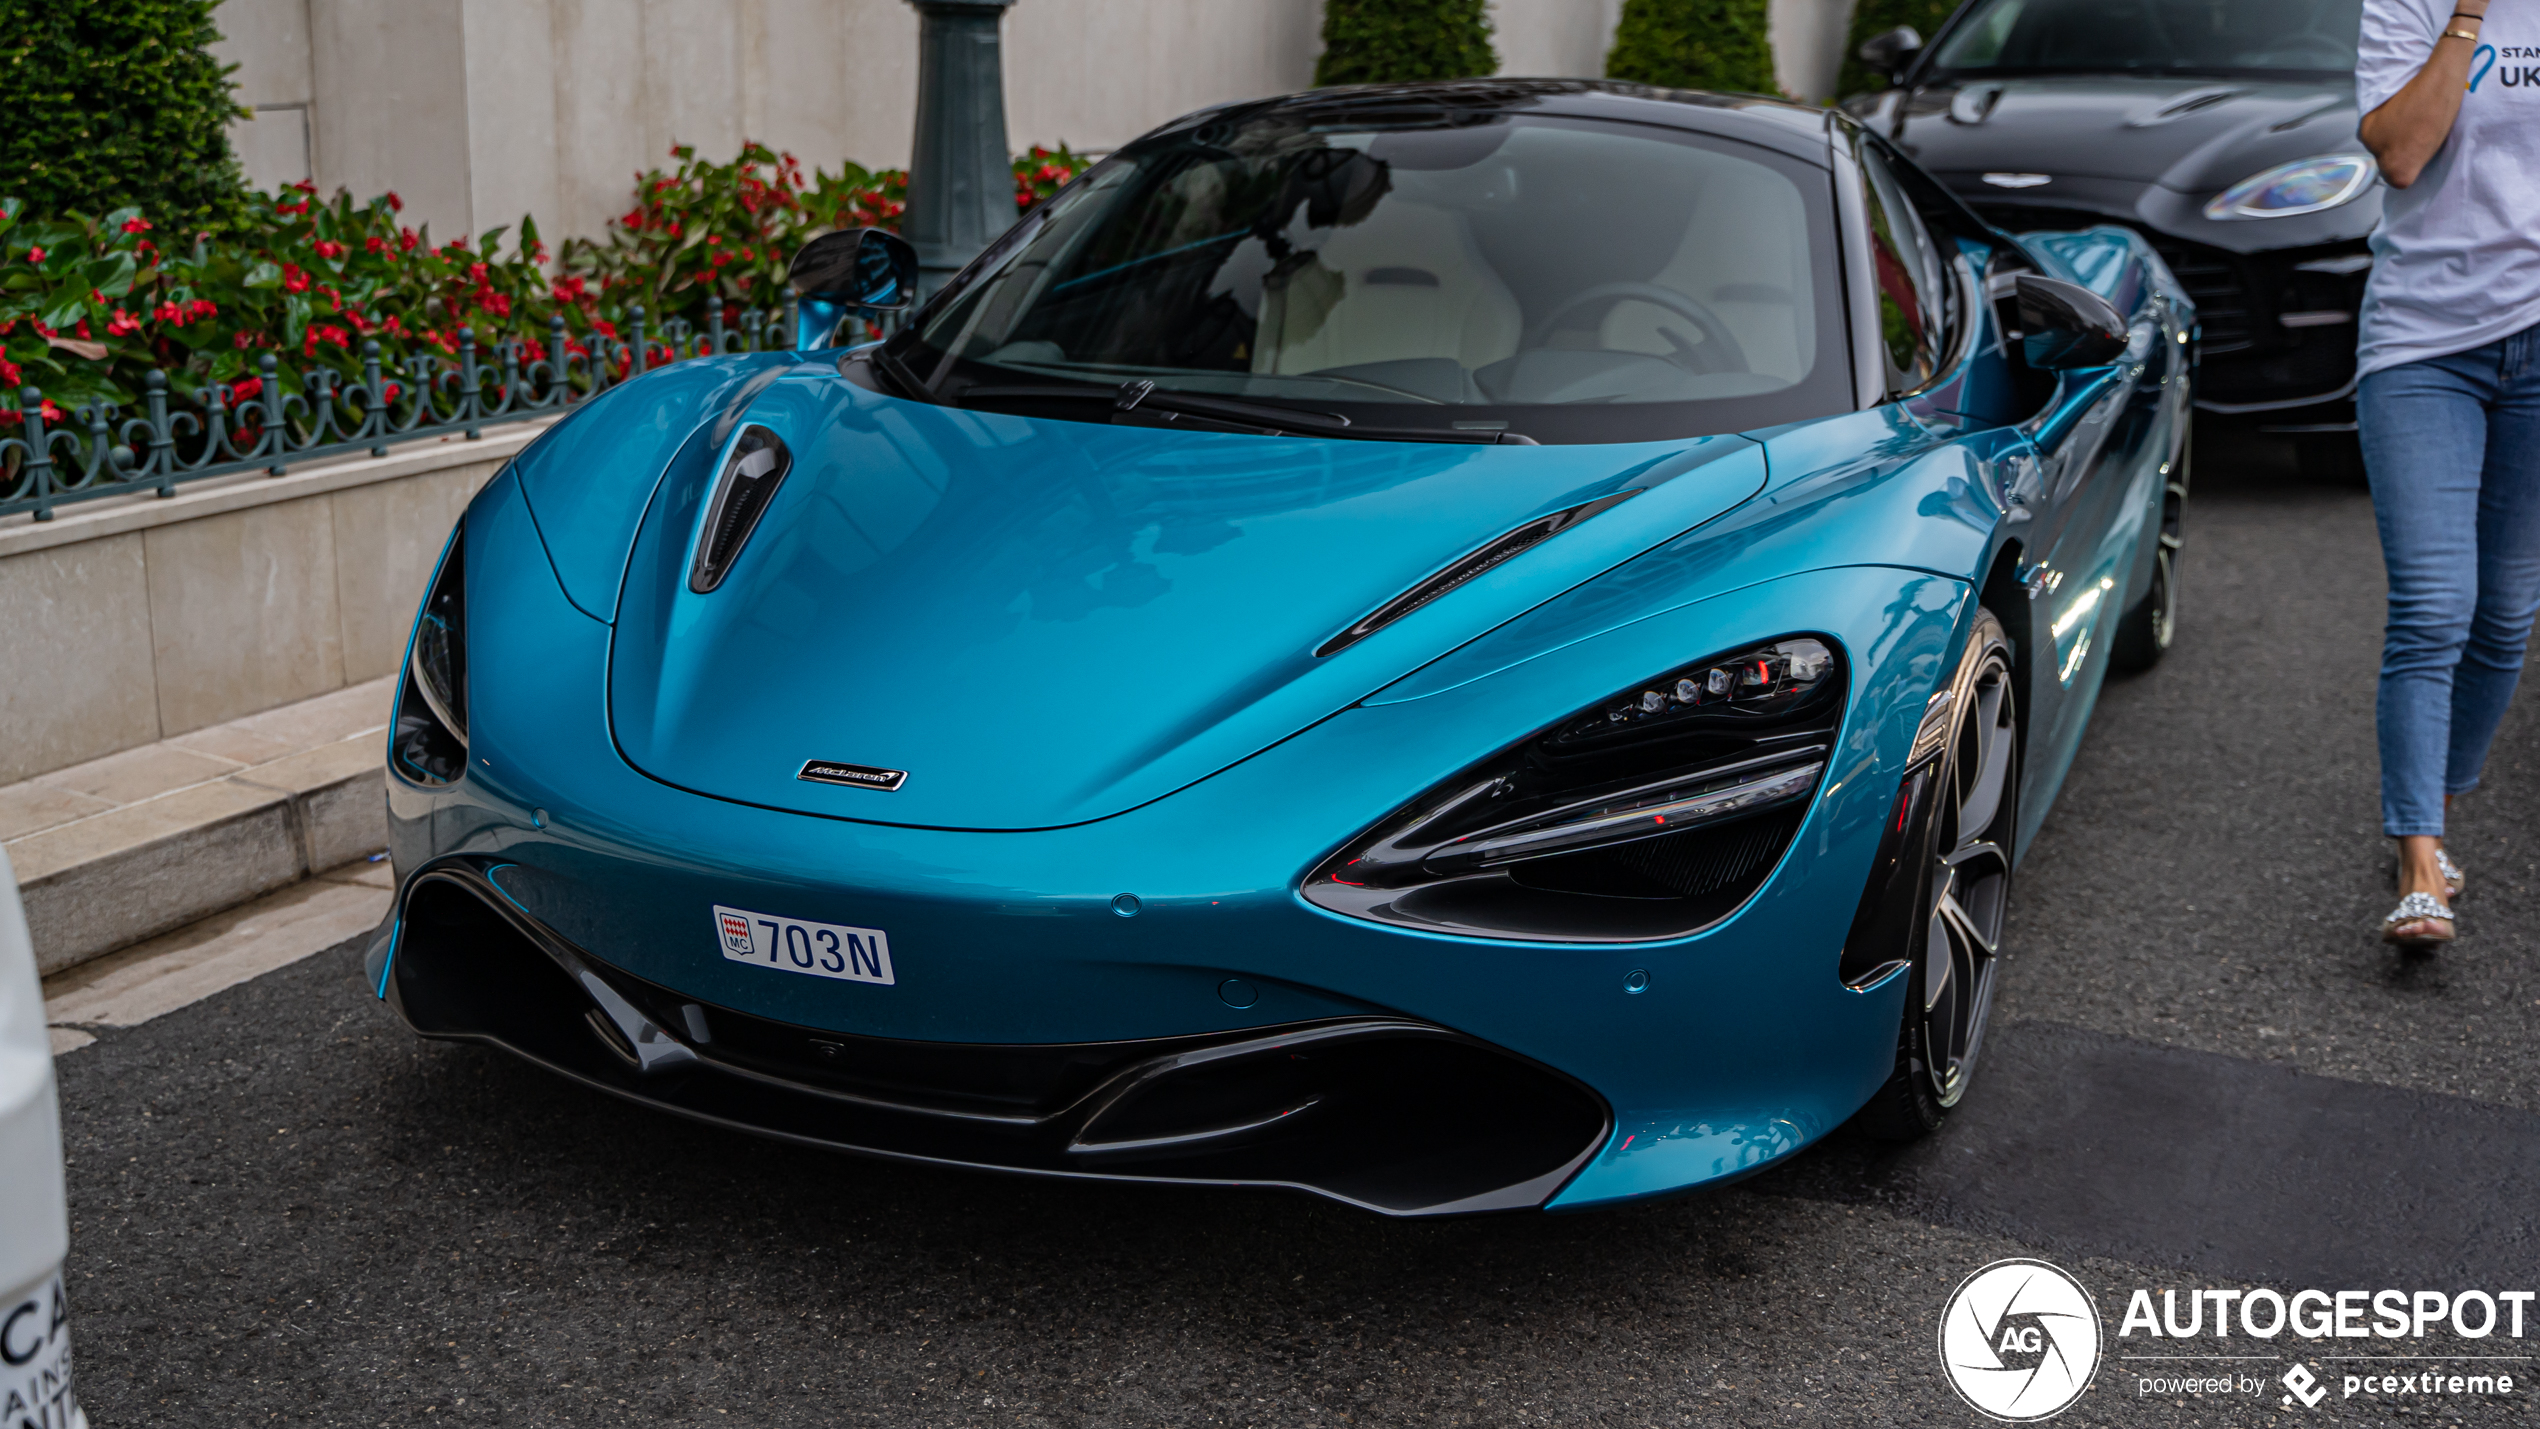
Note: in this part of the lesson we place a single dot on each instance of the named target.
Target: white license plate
(794, 946)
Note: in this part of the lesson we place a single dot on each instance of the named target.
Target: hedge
(1694, 44)
(118, 104)
(1394, 41)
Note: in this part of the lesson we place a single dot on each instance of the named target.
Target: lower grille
(2221, 290)
(1387, 1114)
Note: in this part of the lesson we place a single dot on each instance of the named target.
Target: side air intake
(1468, 568)
(751, 474)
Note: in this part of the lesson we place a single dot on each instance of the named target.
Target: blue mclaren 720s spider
(1456, 647)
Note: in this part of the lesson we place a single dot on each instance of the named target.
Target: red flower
(293, 280)
(35, 255)
(328, 248)
(169, 313)
(375, 243)
(406, 240)
(10, 376)
(136, 225)
(395, 204)
(245, 387)
(634, 219)
(122, 324)
(202, 308)
(674, 230)
(713, 238)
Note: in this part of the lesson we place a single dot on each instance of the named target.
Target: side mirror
(850, 270)
(1892, 53)
(2065, 325)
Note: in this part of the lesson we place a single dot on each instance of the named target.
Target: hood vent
(751, 472)
(1467, 568)
(2181, 107)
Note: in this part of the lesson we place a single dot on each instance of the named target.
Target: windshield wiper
(1234, 413)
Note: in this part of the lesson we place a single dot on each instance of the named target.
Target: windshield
(1564, 280)
(2221, 37)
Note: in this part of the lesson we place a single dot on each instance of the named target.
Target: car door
(2105, 445)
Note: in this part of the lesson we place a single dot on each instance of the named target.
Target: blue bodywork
(1091, 646)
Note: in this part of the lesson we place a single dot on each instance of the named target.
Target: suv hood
(1048, 622)
(2195, 136)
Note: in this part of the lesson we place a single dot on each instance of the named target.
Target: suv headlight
(1648, 815)
(2304, 186)
(429, 741)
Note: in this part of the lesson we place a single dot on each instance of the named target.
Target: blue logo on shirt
(2485, 59)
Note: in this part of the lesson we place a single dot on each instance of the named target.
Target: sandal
(2453, 879)
(2418, 910)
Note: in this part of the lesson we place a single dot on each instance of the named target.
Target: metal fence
(103, 451)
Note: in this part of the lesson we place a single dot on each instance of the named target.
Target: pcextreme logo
(2019, 1341)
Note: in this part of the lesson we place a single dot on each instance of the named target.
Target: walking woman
(2449, 405)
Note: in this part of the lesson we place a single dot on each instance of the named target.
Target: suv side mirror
(2065, 325)
(852, 269)
(1893, 52)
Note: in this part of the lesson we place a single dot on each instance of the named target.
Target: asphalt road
(2205, 1072)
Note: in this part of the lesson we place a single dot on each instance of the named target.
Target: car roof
(1799, 130)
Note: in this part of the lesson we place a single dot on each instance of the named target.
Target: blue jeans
(2453, 448)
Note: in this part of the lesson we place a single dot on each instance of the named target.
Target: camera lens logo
(2019, 1340)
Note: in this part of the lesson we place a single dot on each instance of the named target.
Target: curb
(140, 871)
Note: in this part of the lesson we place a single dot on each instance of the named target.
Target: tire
(1951, 936)
(2144, 633)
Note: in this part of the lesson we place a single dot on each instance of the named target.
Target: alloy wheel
(1970, 878)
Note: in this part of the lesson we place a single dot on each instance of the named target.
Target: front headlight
(1648, 815)
(2305, 186)
(429, 744)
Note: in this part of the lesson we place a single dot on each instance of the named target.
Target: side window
(1911, 280)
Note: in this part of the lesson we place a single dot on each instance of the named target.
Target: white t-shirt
(2456, 260)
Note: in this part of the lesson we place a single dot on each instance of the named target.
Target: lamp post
(960, 175)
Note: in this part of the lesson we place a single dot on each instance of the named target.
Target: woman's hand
(2410, 126)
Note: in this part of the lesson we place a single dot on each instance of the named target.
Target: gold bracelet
(2469, 35)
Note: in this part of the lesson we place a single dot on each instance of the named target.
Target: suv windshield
(1461, 273)
(2218, 37)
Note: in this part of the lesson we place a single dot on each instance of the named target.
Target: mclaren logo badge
(854, 776)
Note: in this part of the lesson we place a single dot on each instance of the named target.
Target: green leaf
(111, 276)
(266, 274)
(67, 309)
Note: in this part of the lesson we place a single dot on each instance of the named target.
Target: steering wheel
(1719, 351)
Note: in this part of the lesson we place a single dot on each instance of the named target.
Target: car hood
(2195, 136)
(1046, 622)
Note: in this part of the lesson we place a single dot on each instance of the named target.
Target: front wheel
(1962, 805)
